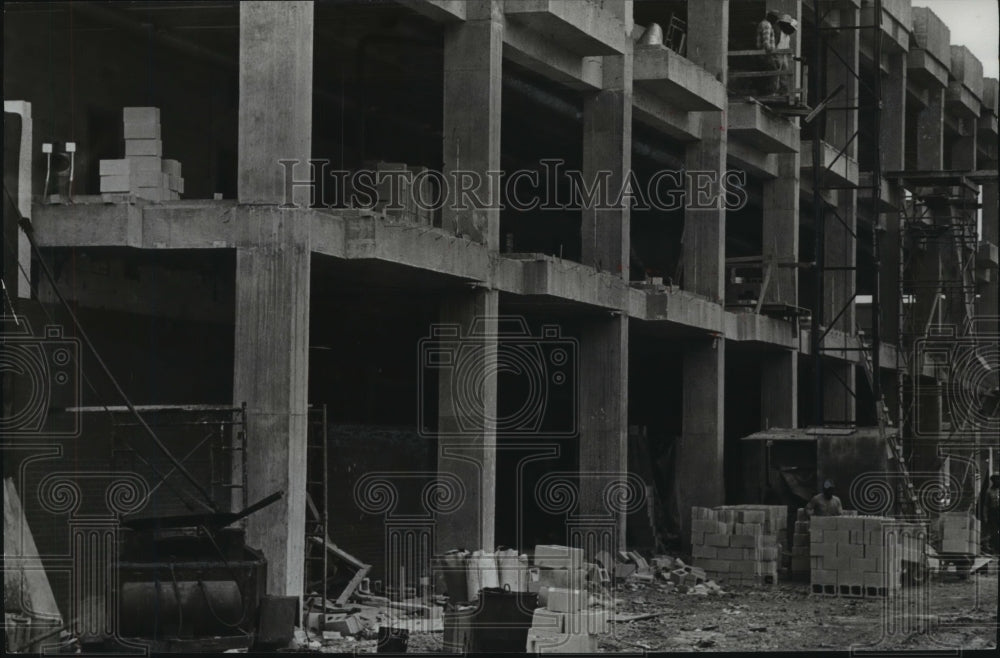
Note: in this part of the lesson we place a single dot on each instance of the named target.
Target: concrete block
(143, 147)
(701, 551)
(122, 167)
(559, 557)
(745, 541)
(175, 183)
(754, 517)
(116, 183)
(727, 553)
(697, 538)
(823, 523)
(800, 564)
(800, 539)
(857, 536)
(172, 167)
(863, 564)
(823, 577)
(560, 599)
(837, 562)
(151, 179)
(545, 642)
(851, 550)
(850, 577)
(750, 553)
(141, 114)
(549, 620)
(142, 130)
(567, 578)
(145, 162)
(837, 536)
(823, 549)
(771, 552)
(816, 536)
(149, 193)
(802, 527)
(719, 540)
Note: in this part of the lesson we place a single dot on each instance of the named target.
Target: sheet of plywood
(26, 586)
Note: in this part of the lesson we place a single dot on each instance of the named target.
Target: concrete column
(930, 132)
(892, 136)
(700, 467)
(603, 411)
(704, 248)
(986, 304)
(840, 251)
(275, 121)
(473, 60)
(779, 390)
(271, 350)
(607, 146)
(466, 422)
(781, 230)
(471, 127)
(842, 124)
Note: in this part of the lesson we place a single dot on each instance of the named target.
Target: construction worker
(769, 61)
(787, 27)
(825, 503)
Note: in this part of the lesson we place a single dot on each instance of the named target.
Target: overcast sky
(973, 24)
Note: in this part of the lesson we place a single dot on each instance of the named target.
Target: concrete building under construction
(263, 321)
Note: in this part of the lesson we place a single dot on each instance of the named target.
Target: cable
(28, 229)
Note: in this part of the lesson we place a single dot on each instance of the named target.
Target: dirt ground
(786, 617)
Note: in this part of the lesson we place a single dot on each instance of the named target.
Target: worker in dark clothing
(989, 515)
(769, 61)
(825, 503)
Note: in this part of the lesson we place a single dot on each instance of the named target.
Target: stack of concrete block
(958, 532)
(855, 555)
(738, 544)
(557, 566)
(566, 623)
(800, 564)
(143, 172)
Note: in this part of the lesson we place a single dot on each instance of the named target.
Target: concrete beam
(661, 115)
(587, 27)
(838, 170)
(473, 61)
(752, 160)
(753, 124)
(271, 343)
(442, 11)
(688, 87)
(535, 52)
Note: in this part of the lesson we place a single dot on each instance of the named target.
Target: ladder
(317, 491)
(894, 451)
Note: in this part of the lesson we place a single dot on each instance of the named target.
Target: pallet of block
(861, 556)
(957, 533)
(737, 544)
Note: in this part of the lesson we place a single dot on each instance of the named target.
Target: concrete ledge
(890, 196)
(897, 19)
(967, 70)
(529, 49)
(844, 171)
(961, 100)
(924, 69)
(93, 224)
(582, 26)
(755, 125)
(661, 115)
(755, 161)
(931, 34)
(443, 11)
(688, 86)
(754, 328)
(547, 276)
(678, 308)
